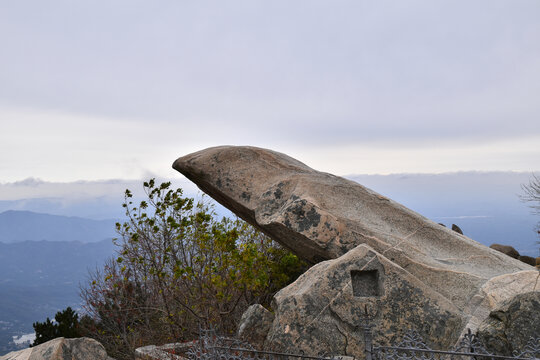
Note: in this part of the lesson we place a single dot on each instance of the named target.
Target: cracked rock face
(321, 217)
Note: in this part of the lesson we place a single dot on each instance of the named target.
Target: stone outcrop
(527, 260)
(322, 217)
(61, 349)
(510, 251)
(506, 249)
(496, 291)
(457, 229)
(510, 326)
(255, 325)
(323, 309)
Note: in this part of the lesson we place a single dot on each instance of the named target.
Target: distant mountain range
(43, 260)
(48, 263)
(39, 278)
(16, 226)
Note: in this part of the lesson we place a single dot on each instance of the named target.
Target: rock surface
(321, 217)
(510, 251)
(457, 229)
(62, 349)
(254, 325)
(527, 260)
(510, 326)
(506, 249)
(322, 310)
(498, 290)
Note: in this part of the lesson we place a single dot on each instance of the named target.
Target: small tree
(531, 194)
(179, 267)
(66, 325)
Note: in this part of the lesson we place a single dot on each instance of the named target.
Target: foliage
(66, 325)
(179, 268)
(531, 194)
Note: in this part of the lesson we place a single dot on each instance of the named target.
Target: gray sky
(119, 89)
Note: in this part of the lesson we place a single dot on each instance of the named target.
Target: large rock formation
(61, 349)
(511, 325)
(322, 311)
(320, 217)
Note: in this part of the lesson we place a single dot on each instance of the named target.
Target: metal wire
(211, 346)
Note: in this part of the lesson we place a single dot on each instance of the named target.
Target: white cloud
(513, 154)
(62, 147)
(329, 83)
(71, 192)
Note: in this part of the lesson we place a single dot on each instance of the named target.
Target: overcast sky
(119, 89)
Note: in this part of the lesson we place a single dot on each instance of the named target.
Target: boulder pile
(369, 253)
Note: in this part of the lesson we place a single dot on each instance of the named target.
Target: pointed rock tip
(192, 162)
(181, 164)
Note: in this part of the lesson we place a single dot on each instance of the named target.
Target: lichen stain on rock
(415, 310)
(246, 196)
(302, 219)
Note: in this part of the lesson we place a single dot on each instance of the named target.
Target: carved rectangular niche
(365, 283)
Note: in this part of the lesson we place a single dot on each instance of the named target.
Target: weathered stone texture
(457, 229)
(62, 349)
(498, 290)
(510, 326)
(254, 325)
(528, 260)
(320, 216)
(322, 310)
(506, 249)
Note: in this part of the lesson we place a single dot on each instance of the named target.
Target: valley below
(39, 278)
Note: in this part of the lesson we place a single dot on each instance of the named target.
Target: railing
(413, 347)
(211, 346)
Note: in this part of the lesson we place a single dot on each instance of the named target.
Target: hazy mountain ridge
(16, 226)
(40, 263)
(39, 278)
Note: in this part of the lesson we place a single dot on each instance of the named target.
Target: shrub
(178, 268)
